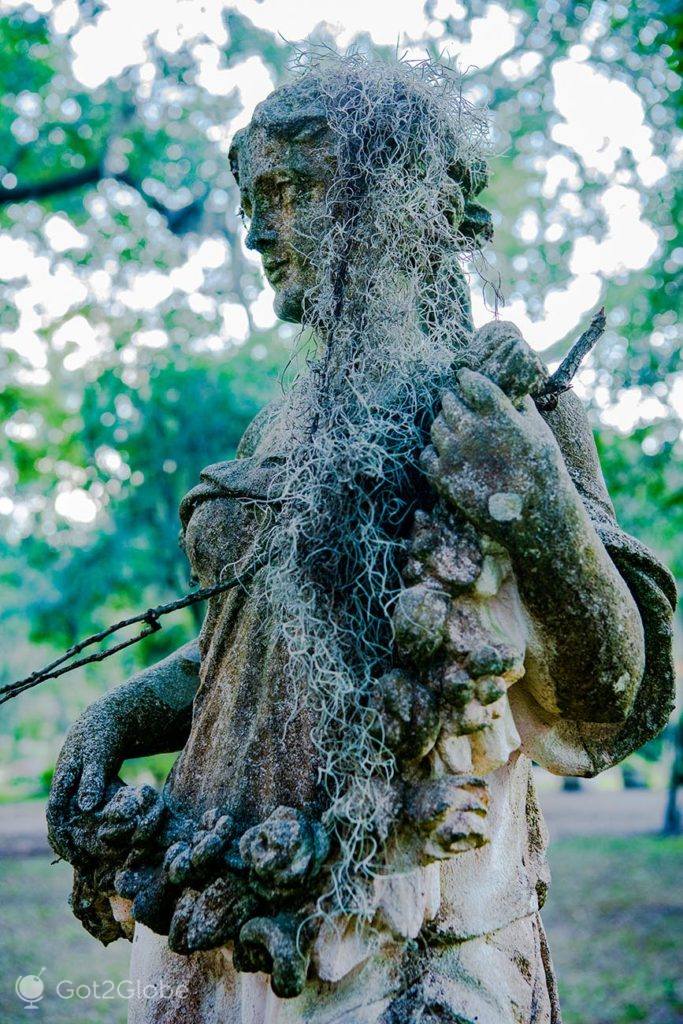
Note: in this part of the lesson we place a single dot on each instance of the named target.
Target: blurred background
(137, 340)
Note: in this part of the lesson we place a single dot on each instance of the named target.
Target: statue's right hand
(149, 714)
(88, 763)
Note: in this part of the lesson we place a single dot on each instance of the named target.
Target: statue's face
(283, 185)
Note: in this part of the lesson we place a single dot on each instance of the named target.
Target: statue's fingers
(454, 410)
(520, 372)
(93, 784)
(64, 784)
(429, 461)
(494, 362)
(497, 364)
(482, 395)
(444, 439)
(488, 339)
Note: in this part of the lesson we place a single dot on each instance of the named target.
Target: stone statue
(431, 591)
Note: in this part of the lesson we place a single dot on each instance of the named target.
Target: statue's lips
(275, 270)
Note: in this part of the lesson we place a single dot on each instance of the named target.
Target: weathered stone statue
(431, 591)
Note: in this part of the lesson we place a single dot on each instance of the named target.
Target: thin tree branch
(177, 220)
(53, 187)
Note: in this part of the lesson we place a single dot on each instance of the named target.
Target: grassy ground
(615, 925)
(614, 920)
(40, 931)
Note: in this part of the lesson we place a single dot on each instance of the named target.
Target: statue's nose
(261, 235)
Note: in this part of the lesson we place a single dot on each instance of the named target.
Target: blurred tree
(136, 340)
(134, 348)
(672, 815)
(128, 298)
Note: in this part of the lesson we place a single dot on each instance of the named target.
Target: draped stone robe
(483, 952)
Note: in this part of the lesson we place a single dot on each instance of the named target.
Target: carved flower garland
(284, 853)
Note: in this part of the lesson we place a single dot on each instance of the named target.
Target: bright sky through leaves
(137, 335)
(600, 118)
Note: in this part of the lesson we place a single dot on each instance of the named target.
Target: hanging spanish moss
(388, 312)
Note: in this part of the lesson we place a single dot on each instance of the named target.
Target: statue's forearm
(150, 714)
(501, 465)
(154, 708)
(587, 629)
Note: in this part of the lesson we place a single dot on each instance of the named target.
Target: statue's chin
(289, 305)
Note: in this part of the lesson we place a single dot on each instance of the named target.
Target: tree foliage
(136, 340)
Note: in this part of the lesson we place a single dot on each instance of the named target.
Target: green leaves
(122, 356)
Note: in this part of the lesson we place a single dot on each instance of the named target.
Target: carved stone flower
(285, 852)
(445, 816)
(202, 855)
(132, 818)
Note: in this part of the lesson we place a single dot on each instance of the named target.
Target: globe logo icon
(30, 988)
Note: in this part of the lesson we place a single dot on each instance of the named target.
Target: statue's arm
(149, 714)
(565, 745)
(501, 464)
(585, 654)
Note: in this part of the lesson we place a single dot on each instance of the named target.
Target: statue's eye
(305, 186)
(311, 128)
(281, 186)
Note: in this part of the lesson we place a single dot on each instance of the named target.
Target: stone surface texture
(529, 626)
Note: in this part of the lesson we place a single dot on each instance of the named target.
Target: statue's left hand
(498, 463)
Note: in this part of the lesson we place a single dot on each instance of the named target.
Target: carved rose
(284, 852)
